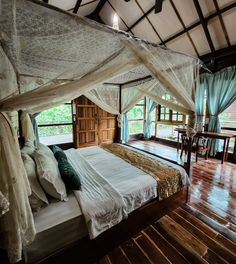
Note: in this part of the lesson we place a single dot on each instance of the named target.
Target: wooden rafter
(141, 18)
(77, 5)
(222, 23)
(150, 23)
(194, 25)
(99, 7)
(183, 25)
(204, 25)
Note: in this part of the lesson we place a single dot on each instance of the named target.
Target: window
(228, 123)
(136, 118)
(164, 113)
(55, 125)
(167, 115)
(164, 122)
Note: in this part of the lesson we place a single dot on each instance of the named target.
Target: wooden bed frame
(89, 251)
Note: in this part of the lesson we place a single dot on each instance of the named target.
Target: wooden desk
(215, 135)
(211, 135)
(180, 131)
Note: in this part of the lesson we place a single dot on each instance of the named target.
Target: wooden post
(118, 134)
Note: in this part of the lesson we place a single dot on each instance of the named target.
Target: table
(211, 135)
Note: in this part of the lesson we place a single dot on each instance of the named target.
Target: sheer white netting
(49, 56)
(58, 56)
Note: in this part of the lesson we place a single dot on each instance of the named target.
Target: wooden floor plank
(211, 222)
(153, 253)
(217, 211)
(181, 245)
(214, 216)
(117, 256)
(223, 252)
(165, 246)
(226, 243)
(183, 236)
(197, 223)
(133, 253)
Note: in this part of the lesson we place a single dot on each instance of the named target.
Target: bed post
(118, 134)
(188, 167)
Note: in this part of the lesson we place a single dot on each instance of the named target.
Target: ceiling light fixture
(115, 21)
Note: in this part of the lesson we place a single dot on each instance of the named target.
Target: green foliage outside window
(55, 130)
(57, 115)
(137, 112)
(135, 127)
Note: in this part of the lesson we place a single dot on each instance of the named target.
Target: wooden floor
(204, 231)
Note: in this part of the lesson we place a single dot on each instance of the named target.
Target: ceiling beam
(221, 11)
(99, 7)
(154, 29)
(45, 1)
(141, 18)
(77, 5)
(204, 25)
(183, 25)
(222, 23)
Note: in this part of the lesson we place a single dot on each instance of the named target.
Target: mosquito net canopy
(49, 56)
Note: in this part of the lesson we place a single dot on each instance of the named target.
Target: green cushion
(58, 153)
(68, 174)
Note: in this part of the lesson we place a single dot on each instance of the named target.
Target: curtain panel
(150, 106)
(125, 128)
(221, 93)
(199, 103)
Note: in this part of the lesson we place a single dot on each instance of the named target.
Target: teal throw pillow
(69, 175)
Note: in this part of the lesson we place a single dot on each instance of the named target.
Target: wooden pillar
(118, 129)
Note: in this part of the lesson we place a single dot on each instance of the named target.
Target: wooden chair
(184, 144)
(200, 146)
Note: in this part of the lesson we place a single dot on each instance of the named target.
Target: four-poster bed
(84, 58)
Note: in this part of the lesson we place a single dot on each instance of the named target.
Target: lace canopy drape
(16, 222)
(49, 57)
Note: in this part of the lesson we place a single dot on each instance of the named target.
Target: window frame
(62, 124)
(139, 119)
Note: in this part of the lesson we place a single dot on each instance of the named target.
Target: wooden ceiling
(202, 28)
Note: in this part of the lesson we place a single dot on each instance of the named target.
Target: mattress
(57, 225)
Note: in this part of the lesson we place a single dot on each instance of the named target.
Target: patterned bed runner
(168, 178)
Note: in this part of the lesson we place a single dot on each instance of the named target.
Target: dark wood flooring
(203, 231)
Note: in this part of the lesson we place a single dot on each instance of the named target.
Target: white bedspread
(102, 205)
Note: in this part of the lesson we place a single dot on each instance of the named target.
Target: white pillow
(28, 148)
(49, 175)
(38, 198)
(45, 149)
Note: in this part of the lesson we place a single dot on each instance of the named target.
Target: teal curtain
(125, 128)
(221, 93)
(150, 106)
(199, 103)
